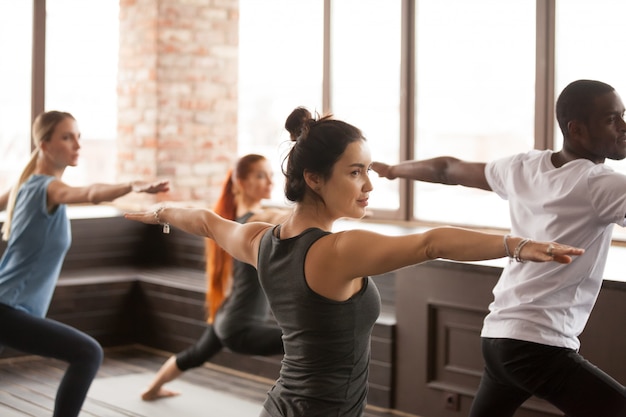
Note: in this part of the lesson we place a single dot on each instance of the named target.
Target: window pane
(16, 41)
(475, 97)
(365, 77)
(82, 41)
(280, 68)
(589, 41)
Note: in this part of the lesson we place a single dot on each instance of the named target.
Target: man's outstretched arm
(442, 170)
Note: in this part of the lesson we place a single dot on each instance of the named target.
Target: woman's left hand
(161, 186)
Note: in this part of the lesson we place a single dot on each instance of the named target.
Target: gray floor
(28, 386)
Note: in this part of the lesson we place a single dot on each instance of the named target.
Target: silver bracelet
(518, 249)
(506, 246)
(166, 226)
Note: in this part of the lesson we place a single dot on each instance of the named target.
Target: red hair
(219, 264)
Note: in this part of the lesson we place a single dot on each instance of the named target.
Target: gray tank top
(327, 343)
(246, 304)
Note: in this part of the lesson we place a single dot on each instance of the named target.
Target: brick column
(177, 95)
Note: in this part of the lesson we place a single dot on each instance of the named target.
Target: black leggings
(49, 338)
(515, 370)
(254, 340)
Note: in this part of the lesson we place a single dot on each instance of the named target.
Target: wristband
(518, 249)
(506, 246)
(166, 226)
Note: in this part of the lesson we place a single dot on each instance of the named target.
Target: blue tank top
(327, 343)
(246, 304)
(39, 240)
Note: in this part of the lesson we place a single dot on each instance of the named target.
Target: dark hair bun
(298, 122)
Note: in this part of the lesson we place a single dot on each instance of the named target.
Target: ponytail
(219, 263)
(26, 173)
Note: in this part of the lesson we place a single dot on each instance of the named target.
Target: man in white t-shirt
(530, 336)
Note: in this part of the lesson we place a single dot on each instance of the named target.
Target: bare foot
(152, 394)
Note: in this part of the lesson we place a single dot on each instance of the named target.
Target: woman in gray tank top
(317, 282)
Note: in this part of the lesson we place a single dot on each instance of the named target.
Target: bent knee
(90, 351)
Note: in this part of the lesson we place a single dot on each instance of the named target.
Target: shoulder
(36, 185)
(532, 155)
(39, 180)
(270, 215)
(511, 165)
(347, 240)
(604, 175)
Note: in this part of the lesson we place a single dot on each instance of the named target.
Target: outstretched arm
(241, 241)
(378, 254)
(443, 170)
(61, 193)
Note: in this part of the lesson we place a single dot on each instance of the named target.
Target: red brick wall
(177, 94)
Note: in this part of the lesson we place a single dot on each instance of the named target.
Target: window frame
(544, 87)
(544, 92)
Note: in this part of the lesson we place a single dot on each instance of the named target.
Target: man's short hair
(576, 101)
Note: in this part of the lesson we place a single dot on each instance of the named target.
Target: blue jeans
(515, 370)
(49, 338)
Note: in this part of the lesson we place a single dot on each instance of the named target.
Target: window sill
(85, 212)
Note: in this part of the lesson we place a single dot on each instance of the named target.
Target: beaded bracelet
(518, 249)
(166, 226)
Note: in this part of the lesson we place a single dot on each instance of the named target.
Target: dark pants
(255, 340)
(49, 338)
(515, 370)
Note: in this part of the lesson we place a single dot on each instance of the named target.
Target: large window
(81, 44)
(15, 89)
(82, 39)
(475, 97)
(423, 78)
(475, 79)
(280, 68)
(365, 46)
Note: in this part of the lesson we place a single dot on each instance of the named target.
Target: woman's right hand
(161, 186)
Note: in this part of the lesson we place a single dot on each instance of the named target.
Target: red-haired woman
(238, 321)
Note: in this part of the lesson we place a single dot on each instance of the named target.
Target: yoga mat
(123, 393)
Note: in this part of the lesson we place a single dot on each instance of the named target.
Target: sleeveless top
(39, 240)
(246, 304)
(327, 343)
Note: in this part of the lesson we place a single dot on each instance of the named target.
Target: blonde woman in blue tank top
(317, 282)
(38, 233)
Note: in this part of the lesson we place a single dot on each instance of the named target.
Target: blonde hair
(43, 126)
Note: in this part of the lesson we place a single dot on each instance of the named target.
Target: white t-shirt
(576, 204)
